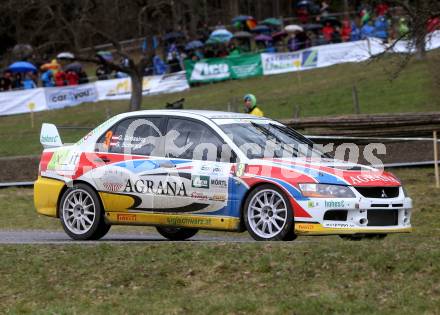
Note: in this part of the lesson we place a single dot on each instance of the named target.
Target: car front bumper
(355, 216)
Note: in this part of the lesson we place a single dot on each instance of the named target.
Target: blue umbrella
(193, 45)
(221, 33)
(220, 36)
(22, 66)
(261, 29)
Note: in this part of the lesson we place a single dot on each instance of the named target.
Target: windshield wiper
(267, 133)
(295, 134)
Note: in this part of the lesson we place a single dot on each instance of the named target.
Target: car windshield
(263, 138)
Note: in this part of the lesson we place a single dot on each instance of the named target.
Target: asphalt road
(55, 237)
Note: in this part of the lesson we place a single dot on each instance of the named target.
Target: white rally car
(182, 171)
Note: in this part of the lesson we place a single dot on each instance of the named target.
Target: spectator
(234, 50)
(47, 78)
(324, 10)
(124, 63)
(403, 28)
(102, 73)
(28, 82)
(72, 78)
(303, 15)
(381, 9)
(365, 16)
(302, 40)
(60, 78)
(6, 82)
(336, 36)
(327, 31)
(82, 75)
(346, 31)
(433, 24)
(159, 67)
(381, 28)
(367, 30)
(17, 82)
(355, 32)
(250, 105)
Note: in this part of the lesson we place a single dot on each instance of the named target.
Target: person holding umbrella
(250, 104)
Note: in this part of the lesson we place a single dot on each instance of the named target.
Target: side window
(186, 139)
(137, 135)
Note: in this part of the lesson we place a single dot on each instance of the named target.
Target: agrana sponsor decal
(169, 188)
(126, 217)
(372, 178)
(189, 221)
(334, 204)
(200, 181)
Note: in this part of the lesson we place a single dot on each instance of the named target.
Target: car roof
(210, 114)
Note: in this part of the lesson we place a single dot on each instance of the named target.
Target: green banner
(218, 69)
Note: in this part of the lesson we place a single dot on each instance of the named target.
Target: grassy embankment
(319, 92)
(312, 275)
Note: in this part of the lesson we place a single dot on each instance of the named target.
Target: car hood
(326, 171)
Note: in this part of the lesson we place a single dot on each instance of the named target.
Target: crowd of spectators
(314, 24)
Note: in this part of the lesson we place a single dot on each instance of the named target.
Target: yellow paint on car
(318, 229)
(115, 202)
(186, 220)
(46, 192)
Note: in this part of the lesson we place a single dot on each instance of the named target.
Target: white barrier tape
(369, 138)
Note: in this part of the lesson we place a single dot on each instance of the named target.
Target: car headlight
(326, 191)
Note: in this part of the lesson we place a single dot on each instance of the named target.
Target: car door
(200, 163)
(130, 154)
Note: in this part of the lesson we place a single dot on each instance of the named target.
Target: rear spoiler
(49, 136)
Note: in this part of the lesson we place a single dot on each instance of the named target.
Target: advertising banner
(24, 101)
(218, 69)
(320, 56)
(120, 89)
(60, 97)
(276, 63)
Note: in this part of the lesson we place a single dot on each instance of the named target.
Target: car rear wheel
(268, 215)
(176, 233)
(81, 213)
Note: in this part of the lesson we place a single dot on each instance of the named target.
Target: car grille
(378, 192)
(382, 217)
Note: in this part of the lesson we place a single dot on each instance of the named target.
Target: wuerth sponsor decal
(70, 95)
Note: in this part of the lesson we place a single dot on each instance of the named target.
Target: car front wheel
(81, 213)
(268, 215)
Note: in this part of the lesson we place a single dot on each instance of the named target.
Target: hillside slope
(319, 92)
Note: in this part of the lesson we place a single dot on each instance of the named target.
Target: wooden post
(32, 107)
(296, 114)
(437, 176)
(355, 96)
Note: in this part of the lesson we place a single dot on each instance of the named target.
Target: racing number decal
(108, 138)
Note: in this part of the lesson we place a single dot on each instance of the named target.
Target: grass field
(319, 92)
(312, 275)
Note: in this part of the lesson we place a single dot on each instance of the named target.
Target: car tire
(268, 214)
(176, 233)
(81, 213)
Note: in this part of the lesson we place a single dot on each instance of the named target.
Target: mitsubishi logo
(383, 195)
